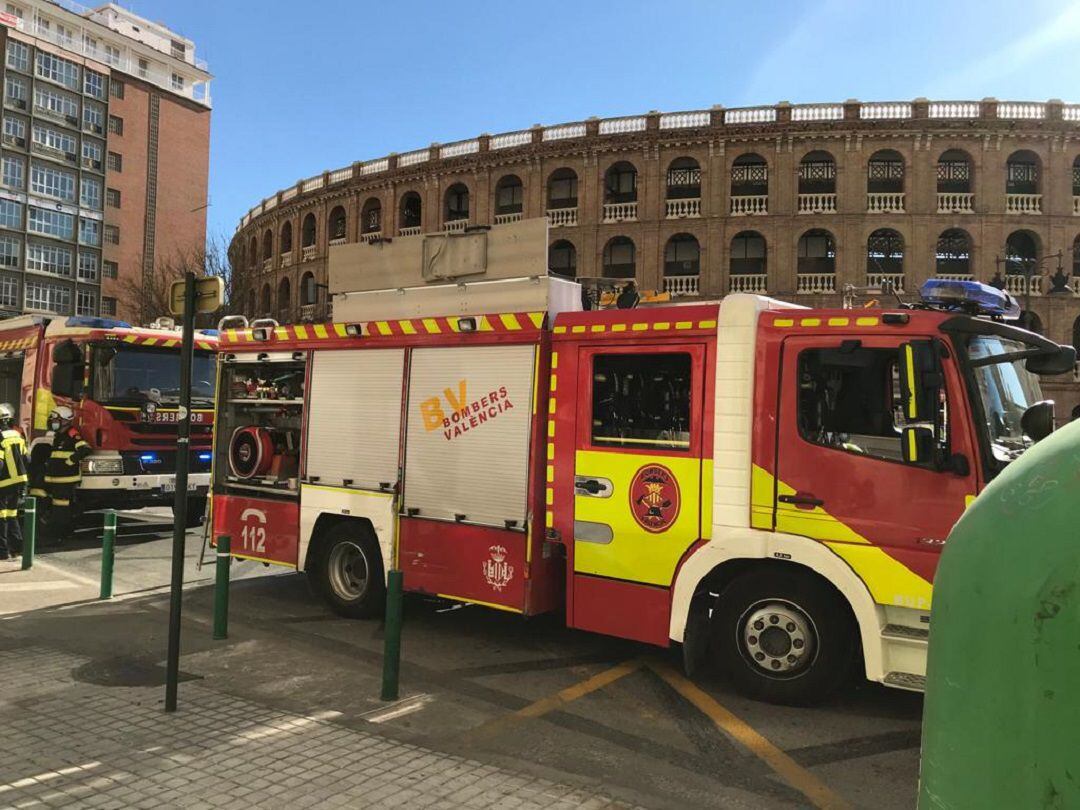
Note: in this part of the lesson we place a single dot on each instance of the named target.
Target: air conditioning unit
(72, 119)
(18, 102)
(71, 156)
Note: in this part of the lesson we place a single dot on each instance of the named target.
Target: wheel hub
(348, 571)
(778, 638)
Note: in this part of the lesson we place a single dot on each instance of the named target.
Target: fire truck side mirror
(918, 444)
(920, 380)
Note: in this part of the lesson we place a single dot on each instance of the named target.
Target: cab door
(637, 483)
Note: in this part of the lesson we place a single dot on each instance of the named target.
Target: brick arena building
(800, 201)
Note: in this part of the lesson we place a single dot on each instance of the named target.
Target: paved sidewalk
(42, 586)
(66, 741)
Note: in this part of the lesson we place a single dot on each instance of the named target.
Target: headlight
(103, 466)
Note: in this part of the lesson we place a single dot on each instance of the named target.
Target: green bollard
(108, 554)
(392, 639)
(29, 532)
(1001, 721)
(221, 587)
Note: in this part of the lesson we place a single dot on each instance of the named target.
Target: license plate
(170, 486)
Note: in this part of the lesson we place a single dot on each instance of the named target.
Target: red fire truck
(767, 485)
(122, 383)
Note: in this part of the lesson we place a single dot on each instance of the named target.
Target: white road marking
(399, 709)
(46, 585)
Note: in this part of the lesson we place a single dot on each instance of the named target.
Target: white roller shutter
(354, 419)
(467, 443)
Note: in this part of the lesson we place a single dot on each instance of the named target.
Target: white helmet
(7, 413)
(63, 414)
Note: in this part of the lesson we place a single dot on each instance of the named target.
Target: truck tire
(349, 571)
(783, 636)
(196, 513)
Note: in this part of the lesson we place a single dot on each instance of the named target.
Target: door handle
(596, 487)
(801, 500)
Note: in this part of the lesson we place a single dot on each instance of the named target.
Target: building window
(112, 197)
(52, 140)
(509, 195)
(619, 258)
(12, 172)
(50, 223)
(52, 259)
(18, 56)
(10, 251)
(91, 154)
(620, 183)
(11, 215)
(177, 82)
(641, 401)
(109, 269)
(14, 131)
(45, 297)
(52, 182)
(682, 256)
(94, 85)
(57, 104)
(144, 69)
(61, 71)
(91, 193)
(112, 56)
(89, 265)
(90, 232)
(563, 189)
(108, 305)
(15, 93)
(112, 234)
(11, 8)
(178, 49)
(684, 179)
(86, 302)
(116, 87)
(94, 118)
(116, 125)
(9, 292)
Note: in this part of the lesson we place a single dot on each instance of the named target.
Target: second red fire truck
(767, 485)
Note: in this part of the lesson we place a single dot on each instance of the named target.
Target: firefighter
(63, 470)
(12, 482)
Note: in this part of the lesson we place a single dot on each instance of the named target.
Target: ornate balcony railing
(1018, 284)
(286, 259)
(891, 202)
(268, 265)
(1074, 285)
(615, 126)
(1023, 203)
(817, 112)
(620, 212)
(955, 202)
(817, 203)
(681, 285)
(505, 219)
(341, 175)
(887, 282)
(412, 230)
(340, 240)
(508, 140)
(1076, 205)
(757, 283)
(955, 276)
(683, 209)
(455, 226)
(371, 236)
(750, 204)
(684, 120)
(560, 217)
(815, 283)
(308, 253)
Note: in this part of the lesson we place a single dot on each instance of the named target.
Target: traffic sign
(209, 295)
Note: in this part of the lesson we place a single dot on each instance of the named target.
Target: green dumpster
(1001, 723)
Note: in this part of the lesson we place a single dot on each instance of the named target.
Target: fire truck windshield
(1006, 389)
(133, 375)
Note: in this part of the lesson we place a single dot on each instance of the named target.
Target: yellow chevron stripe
(510, 321)
(383, 327)
(483, 324)
(301, 331)
(339, 329)
(130, 338)
(537, 319)
(320, 331)
(407, 327)
(432, 326)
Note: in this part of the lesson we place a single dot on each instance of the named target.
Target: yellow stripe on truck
(913, 405)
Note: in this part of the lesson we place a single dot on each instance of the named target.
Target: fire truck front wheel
(783, 636)
(349, 571)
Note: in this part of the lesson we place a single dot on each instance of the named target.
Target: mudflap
(695, 646)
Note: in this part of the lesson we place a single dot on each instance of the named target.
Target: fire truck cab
(767, 485)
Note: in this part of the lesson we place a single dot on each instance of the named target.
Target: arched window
(411, 210)
(264, 301)
(308, 290)
(684, 179)
(286, 237)
(509, 195)
(562, 259)
(1023, 173)
(619, 258)
(816, 252)
(954, 175)
(817, 173)
(749, 255)
(620, 183)
(253, 252)
(371, 216)
(284, 296)
(457, 203)
(337, 223)
(268, 244)
(1021, 253)
(562, 189)
(307, 231)
(953, 254)
(1031, 321)
(749, 185)
(884, 254)
(885, 172)
(1076, 256)
(1076, 180)
(682, 256)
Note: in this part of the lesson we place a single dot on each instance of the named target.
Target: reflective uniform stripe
(62, 479)
(38, 493)
(61, 502)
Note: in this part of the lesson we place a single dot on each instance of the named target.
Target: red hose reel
(251, 452)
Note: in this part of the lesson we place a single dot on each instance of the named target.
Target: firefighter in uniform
(63, 470)
(12, 482)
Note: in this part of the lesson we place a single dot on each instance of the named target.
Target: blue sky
(302, 87)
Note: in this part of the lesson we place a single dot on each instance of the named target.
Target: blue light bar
(149, 458)
(92, 322)
(970, 296)
(205, 456)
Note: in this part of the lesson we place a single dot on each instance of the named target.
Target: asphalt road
(526, 694)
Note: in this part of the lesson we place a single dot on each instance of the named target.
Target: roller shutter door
(467, 442)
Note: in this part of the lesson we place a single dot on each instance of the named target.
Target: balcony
(54, 153)
(891, 202)
(689, 208)
(749, 205)
(817, 203)
(267, 265)
(815, 283)
(562, 217)
(681, 285)
(1023, 203)
(286, 259)
(757, 283)
(1074, 285)
(1076, 205)
(955, 203)
(886, 282)
(371, 236)
(455, 226)
(1017, 284)
(308, 253)
(339, 240)
(412, 230)
(506, 219)
(955, 276)
(620, 212)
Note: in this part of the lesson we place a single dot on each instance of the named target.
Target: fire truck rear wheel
(349, 572)
(783, 637)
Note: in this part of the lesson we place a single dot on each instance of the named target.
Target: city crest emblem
(654, 498)
(497, 571)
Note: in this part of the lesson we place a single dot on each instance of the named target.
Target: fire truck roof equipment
(972, 297)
